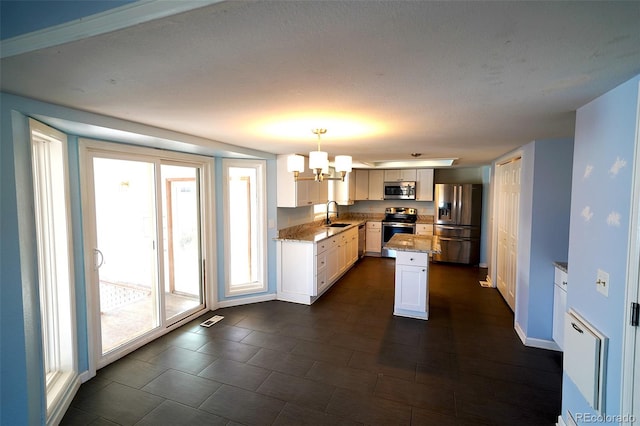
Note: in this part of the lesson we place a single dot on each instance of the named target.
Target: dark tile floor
(344, 360)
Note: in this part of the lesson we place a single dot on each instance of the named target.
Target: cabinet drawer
(321, 261)
(422, 229)
(325, 245)
(561, 278)
(412, 258)
(374, 225)
(321, 282)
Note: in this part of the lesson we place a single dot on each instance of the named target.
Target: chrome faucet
(328, 211)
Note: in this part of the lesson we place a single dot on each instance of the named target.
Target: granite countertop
(320, 232)
(313, 232)
(411, 242)
(563, 266)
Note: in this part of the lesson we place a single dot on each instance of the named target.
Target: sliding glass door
(125, 213)
(147, 246)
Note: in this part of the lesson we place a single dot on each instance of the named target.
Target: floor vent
(211, 321)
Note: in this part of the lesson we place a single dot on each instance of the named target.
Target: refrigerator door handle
(459, 209)
(454, 213)
(454, 239)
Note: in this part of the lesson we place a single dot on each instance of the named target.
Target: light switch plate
(602, 282)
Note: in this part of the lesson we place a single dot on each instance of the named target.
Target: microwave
(399, 190)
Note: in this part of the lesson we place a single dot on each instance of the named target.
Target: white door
(508, 178)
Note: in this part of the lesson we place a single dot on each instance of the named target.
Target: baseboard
(86, 375)
(561, 421)
(245, 300)
(533, 342)
(63, 404)
(488, 279)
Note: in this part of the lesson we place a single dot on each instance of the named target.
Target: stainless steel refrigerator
(458, 215)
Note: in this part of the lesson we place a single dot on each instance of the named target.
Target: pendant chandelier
(318, 163)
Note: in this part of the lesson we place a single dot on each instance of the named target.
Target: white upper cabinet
(344, 193)
(424, 185)
(376, 184)
(369, 183)
(400, 175)
(301, 193)
(362, 184)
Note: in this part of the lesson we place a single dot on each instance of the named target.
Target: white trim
(495, 206)
(490, 281)
(100, 23)
(61, 312)
(87, 150)
(632, 283)
(246, 300)
(262, 284)
(561, 422)
(533, 342)
(86, 376)
(64, 402)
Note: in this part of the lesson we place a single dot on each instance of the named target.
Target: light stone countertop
(319, 233)
(411, 242)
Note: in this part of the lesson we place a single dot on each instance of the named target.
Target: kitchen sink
(337, 225)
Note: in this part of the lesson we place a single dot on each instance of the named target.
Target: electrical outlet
(602, 282)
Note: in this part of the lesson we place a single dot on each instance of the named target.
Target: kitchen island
(412, 274)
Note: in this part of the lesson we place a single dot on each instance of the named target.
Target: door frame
(630, 380)
(88, 147)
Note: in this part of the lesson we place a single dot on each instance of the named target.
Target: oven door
(389, 229)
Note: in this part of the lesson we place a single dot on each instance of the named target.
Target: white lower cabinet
(411, 285)
(559, 306)
(352, 247)
(306, 270)
(373, 242)
(424, 229)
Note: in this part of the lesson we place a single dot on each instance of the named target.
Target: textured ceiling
(471, 80)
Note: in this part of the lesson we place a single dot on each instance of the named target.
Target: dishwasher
(361, 240)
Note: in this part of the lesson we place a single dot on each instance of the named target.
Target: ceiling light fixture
(318, 163)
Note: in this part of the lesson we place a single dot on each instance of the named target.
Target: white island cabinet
(412, 274)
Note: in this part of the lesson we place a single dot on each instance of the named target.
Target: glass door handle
(100, 256)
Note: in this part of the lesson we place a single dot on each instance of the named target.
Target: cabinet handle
(424, 270)
(573, 324)
(411, 259)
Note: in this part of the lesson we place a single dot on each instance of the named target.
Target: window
(55, 278)
(245, 230)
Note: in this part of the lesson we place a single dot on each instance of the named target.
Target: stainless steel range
(397, 220)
